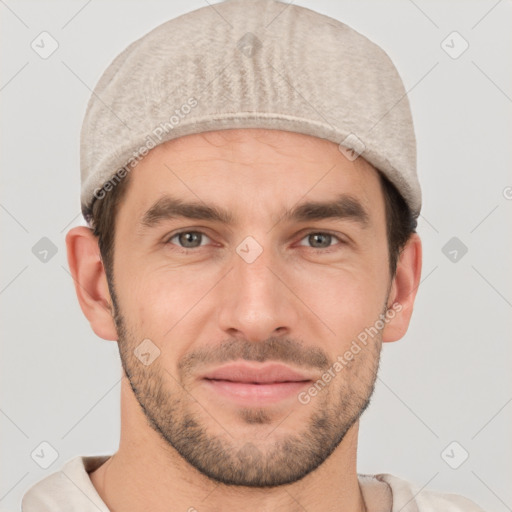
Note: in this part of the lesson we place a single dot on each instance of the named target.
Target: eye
(320, 239)
(188, 239)
(195, 239)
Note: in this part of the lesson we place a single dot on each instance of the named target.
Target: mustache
(272, 349)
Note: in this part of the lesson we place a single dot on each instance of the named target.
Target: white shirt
(71, 490)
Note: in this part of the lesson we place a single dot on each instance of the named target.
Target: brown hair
(101, 217)
(400, 222)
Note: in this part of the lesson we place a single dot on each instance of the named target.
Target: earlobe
(403, 290)
(90, 281)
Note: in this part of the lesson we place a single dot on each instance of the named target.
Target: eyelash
(186, 250)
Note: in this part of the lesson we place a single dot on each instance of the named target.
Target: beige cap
(249, 64)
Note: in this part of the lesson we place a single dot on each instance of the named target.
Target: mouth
(250, 384)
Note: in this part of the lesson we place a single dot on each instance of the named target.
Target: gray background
(448, 380)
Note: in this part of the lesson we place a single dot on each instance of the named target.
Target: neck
(147, 474)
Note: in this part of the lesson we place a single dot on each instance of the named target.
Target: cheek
(157, 299)
(347, 299)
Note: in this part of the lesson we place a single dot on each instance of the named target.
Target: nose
(255, 300)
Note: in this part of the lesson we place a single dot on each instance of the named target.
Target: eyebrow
(168, 207)
(344, 207)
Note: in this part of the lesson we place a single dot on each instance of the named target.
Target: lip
(257, 374)
(251, 384)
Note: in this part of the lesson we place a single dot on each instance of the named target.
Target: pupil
(187, 239)
(318, 237)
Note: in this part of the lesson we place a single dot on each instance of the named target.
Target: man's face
(204, 294)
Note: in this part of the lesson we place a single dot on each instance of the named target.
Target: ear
(403, 290)
(91, 286)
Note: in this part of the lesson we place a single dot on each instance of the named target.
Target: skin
(301, 302)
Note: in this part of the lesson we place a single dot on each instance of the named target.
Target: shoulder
(408, 497)
(68, 489)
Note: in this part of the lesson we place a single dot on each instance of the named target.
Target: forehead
(255, 170)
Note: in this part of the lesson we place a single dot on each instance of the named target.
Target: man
(248, 173)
